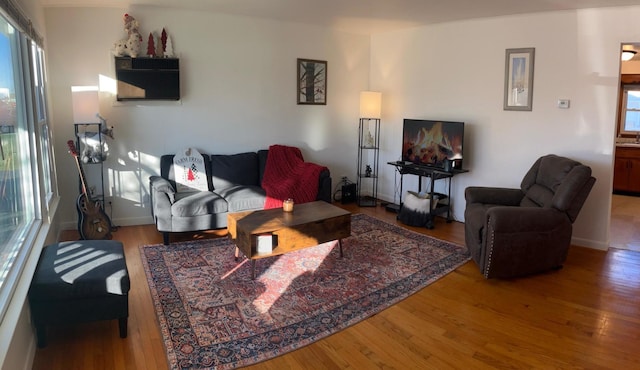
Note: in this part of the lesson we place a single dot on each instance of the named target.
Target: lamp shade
(370, 104)
(86, 105)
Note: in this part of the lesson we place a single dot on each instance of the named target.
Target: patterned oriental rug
(212, 315)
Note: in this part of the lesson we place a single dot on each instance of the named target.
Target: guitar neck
(82, 178)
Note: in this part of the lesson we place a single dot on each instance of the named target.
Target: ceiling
(361, 16)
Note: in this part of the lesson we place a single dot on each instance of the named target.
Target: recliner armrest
(492, 195)
(524, 219)
(524, 240)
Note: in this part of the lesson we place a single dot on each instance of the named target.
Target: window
(27, 176)
(630, 122)
(48, 173)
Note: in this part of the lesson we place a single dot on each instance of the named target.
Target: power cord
(113, 227)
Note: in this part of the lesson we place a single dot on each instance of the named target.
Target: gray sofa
(234, 182)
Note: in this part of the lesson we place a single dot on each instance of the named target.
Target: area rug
(212, 315)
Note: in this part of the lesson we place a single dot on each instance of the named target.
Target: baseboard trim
(588, 243)
(132, 221)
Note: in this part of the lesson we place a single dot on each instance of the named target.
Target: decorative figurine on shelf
(367, 171)
(131, 45)
(163, 41)
(368, 141)
(134, 41)
(151, 47)
(168, 50)
(120, 48)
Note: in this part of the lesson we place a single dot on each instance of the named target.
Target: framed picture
(312, 81)
(518, 79)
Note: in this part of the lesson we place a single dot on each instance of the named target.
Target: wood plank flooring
(586, 315)
(625, 222)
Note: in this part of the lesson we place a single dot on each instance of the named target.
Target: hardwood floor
(625, 222)
(586, 315)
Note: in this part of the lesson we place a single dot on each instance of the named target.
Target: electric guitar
(93, 222)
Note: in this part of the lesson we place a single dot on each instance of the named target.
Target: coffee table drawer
(311, 234)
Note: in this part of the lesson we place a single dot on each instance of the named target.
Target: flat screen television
(431, 142)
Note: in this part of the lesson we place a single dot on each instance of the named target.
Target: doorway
(624, 227)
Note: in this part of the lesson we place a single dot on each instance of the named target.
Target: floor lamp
(368, 148)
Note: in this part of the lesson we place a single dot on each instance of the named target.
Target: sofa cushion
(198, 204)
(234, 169)
(243, 198)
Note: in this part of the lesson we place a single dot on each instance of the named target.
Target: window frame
(624, 109)
(32, 152)
(43, 128)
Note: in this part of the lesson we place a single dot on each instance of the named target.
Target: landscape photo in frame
(518, 79)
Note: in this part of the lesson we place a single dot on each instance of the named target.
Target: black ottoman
(80, 281)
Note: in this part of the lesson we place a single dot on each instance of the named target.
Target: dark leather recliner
(517, 232)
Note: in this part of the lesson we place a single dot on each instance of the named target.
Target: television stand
(392, 207)
(434, 173)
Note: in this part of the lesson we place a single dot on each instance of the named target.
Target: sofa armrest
(159, 184)
(324, 186)
(489, 195)
(162, 196)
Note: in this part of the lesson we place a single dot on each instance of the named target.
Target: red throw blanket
(287, 175)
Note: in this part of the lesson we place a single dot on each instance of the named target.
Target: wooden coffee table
(270, 232)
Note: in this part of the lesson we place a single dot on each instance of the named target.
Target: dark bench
(80, 281)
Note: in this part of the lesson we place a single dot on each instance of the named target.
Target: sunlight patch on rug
(284, 271)
(212, 315)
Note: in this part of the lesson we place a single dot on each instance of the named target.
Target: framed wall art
(518, 79)
(312, 82)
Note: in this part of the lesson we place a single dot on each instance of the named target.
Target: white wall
(237, 75)
(238, 79)
(455, 71)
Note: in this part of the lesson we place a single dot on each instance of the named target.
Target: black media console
(434, 173)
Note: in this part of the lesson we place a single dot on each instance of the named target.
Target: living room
(238, 95)
(237, 74)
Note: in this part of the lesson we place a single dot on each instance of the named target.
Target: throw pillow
(190, 172)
